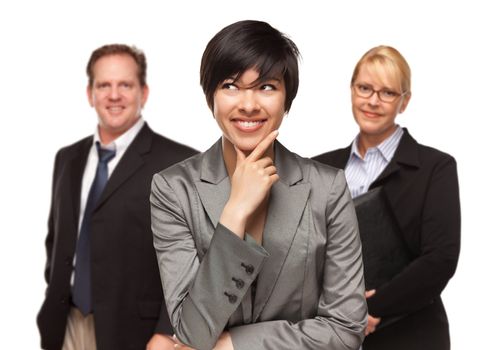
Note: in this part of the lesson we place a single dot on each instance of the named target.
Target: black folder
(384, 251)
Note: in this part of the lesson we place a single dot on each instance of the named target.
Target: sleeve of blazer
(342, 310)
(49, 240)
(200, 296)
(425, 278)
(163, 326)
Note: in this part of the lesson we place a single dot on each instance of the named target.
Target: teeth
(249, 124)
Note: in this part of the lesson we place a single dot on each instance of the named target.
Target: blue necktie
(82, 296)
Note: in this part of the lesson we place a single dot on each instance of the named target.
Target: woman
(258, 248)
(421, 187)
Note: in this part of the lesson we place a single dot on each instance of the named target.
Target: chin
(246, 148)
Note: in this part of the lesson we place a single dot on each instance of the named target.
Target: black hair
(250, 44)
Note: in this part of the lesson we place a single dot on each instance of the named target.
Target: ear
(145, 95)
(405, 102)
(90, 96)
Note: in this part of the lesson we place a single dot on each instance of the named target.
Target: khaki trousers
(80, 331)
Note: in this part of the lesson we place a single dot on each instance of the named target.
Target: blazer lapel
(287, 201)
(288, 198)
(405, 155)
(131, 161)
(76, 169)
(342, 157)
(214, 184)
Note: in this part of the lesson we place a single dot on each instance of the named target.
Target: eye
(229, 86)
(126, 85)
(364, 88)
(103, 85)
(389, 93)
(268, 87)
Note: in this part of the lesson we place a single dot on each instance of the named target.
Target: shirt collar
(123, 141)
(387, 148)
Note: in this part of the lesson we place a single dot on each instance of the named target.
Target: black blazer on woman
(422, 189)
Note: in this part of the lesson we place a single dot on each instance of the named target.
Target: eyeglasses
(385, 95)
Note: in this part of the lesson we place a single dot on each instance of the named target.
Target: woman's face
(376, 118)
(246, 112)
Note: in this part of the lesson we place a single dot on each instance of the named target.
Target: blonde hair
(385, 61)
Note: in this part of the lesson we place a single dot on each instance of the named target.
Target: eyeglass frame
(397, 94)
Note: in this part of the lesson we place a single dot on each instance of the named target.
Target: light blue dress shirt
(361, 172)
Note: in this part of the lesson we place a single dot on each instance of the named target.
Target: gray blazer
(303, 288)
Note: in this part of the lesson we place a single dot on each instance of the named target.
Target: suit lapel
(131, 161)
(343, 157)
(288, 198)
(76, 169)
(405, 155)
(214, 183)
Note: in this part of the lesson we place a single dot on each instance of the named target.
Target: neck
(105, 138)
(366, 141)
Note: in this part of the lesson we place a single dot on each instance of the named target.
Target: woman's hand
(224, 342)
(250, 184)
(179, 346)
(372, 322)
(161, 342)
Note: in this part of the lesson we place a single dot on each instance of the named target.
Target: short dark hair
(118, 49)
(250, 44)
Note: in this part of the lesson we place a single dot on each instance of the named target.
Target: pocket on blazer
(149, 309)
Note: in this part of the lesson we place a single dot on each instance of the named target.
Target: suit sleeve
(424, 279)
(200, 296)
(342, 310)
(163, 326)
(49, 240)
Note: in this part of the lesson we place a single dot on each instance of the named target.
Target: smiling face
(116, 95)
(376, 119)
(247, 110)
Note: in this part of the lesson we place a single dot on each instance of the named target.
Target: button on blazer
(303, 288)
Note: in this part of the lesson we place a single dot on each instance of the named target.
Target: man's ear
(145, 95)
(89, 96)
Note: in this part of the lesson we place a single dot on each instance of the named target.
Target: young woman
(421, 187)
(258, 248)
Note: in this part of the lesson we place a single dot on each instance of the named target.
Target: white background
(451, 47)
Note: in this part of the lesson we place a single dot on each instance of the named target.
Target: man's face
(116, 95)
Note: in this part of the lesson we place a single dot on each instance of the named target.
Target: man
(104, 289)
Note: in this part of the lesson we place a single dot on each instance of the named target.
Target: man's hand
(372, 321)
(160, 342)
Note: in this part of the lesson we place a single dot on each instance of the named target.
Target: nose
(114, 93)
(248, 102)
(374, 99)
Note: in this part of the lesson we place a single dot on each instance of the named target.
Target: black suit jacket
(128, 303)
(422, 189)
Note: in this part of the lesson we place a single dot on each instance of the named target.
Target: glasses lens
(388, 95)
(385, 95)
(364, 91)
